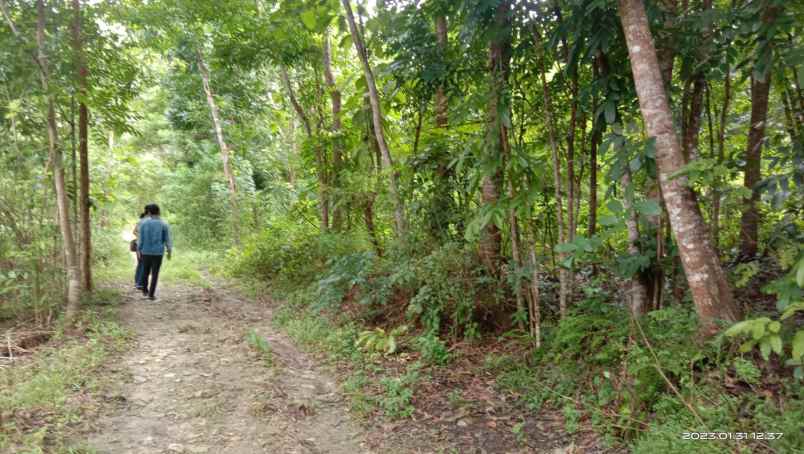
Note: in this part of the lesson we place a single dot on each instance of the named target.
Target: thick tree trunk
(710, 289)
(83, 152)
(337, 152)
(377, 118)
(224, 148)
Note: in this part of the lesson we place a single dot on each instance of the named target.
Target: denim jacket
(154, 236)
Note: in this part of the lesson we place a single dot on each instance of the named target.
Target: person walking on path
(140, 272)
(152, 243)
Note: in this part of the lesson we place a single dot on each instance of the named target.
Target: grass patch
(185, 266)
(261, 345)
(45, 396)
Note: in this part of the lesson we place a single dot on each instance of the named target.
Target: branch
(296, 106)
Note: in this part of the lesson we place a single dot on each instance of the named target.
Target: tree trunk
(710, 289)
(760, 90)
(74, 166)
(638, 291)
(442, 106)
(377, 119)
(224, 148)
(535, 311)
(323, 194)
(62, 205)
(83, 152)
(721, 155)
(552, 135)
(516, 256)
(337, 152)
(497, 132)
(666, 53)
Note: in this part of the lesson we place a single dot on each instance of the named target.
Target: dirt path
(192, 384)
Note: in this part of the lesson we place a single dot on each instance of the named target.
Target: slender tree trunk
(323, 193)
(516, 256)
(377, 118)
(571, 159)
(62, 204)
(638, 291)
(692, 124)
(666, 52)
(496, 132)
(442, 105)
(552, 135)
(749, 223)
(710, 289)
(83, 151)
(337, 152)
(74, 166)
(535, 311)
(760, 90)
(224, 148)
(596, 137)
(721, 154)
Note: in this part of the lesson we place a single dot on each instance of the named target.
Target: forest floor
(209, 373)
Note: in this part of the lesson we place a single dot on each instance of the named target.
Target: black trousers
(150, 272)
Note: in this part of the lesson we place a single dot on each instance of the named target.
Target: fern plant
(380, 341)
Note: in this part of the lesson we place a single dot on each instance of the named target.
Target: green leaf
(609, 220)
(615, 206)
(765, 348)
(738, 328)
(566, 247)
(309, 19)
(776, 344)
(648, 207)
(610, 112)
(798, 345)
(774, 327)
(391, 347)
(800, 273)
(792, 309)
(747, 346)
(635, 164)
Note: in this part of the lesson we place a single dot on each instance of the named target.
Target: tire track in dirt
(191, 384)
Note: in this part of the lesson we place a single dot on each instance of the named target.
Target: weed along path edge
(208, 374)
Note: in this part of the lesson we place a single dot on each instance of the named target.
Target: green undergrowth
(640, 384)
(46, 396)
(371, 386)
(648, 383)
